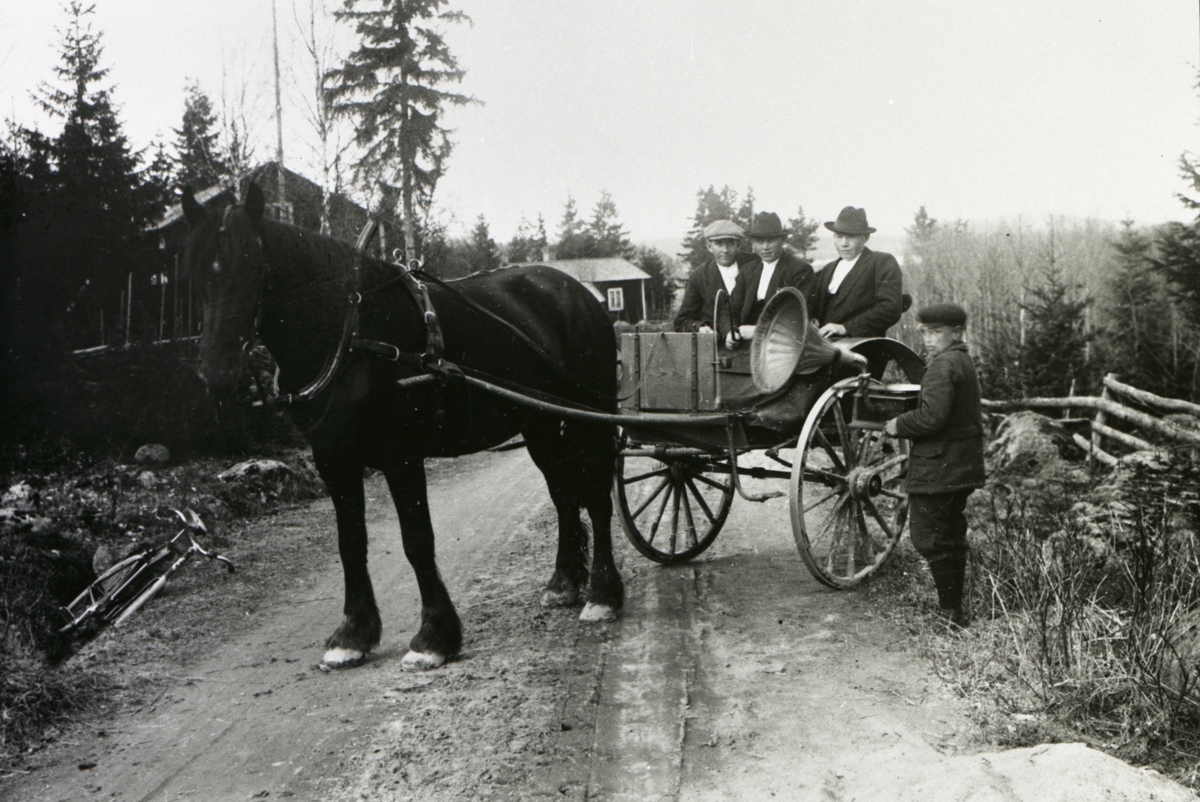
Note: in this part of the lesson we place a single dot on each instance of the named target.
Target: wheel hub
(864, 483)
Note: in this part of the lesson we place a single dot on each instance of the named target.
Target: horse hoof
(343, 658)
(597, 613)
(559, 598)
(422, 661)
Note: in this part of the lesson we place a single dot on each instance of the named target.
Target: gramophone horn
(779, 339)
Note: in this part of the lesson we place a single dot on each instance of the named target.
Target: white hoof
(558, 598)
(597, 613)
(422, 661)
(343, 658)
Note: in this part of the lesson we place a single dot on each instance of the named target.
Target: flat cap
(942, 315)
(723, 229)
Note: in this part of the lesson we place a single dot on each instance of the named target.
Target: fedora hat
(766, 225)
(723, 229)
(850, 221)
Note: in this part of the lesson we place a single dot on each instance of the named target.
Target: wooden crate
(668, 371)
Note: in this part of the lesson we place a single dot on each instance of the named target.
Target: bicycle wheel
(99, 597)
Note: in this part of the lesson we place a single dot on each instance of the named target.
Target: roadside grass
(49, 681)
(1083, 630)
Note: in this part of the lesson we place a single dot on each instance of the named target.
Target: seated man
(722, 238)
(858, 294)
(760, 280)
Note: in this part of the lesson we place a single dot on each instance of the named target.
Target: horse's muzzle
(221, 376)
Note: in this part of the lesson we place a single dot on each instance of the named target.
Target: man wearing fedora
(723, 239)
(859, 294)
(760, 280)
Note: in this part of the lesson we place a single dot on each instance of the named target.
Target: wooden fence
(1107, 406)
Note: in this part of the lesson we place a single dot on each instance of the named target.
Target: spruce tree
(391, 86)
(802, 233)
(199, 163)
(101, 201)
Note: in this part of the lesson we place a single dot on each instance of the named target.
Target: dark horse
(531, 327)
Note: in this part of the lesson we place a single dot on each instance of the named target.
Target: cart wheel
(848, 507)
(673, 501)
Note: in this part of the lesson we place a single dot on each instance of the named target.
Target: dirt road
(737, 677)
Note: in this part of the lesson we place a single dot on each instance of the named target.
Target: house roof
(592, 270)
(174, 212)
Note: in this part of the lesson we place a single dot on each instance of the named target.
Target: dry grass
(1079, 635)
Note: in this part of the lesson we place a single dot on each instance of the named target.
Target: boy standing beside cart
(946, 456)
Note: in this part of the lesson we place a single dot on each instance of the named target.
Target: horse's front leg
(360, 629)
(440, 635)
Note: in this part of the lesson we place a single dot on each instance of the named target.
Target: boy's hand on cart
(891, 429)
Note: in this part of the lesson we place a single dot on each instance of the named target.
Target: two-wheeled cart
(702, 424)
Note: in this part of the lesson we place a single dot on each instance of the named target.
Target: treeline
(1053, 308)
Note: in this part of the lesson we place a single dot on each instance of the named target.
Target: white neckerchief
(840, 272)
(765, 279)
(729, 276)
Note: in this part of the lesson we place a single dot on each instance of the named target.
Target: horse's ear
(193, 212)
(255, 203)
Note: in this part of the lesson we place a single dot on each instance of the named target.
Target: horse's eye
(216, 266)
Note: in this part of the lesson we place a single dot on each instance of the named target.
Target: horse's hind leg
(440, 635)
(360, 629)
(546, 446)
(606, 591)
(577, 462)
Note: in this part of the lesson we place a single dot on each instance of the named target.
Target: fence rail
(1105, 406)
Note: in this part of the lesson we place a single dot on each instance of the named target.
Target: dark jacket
(869, 300)
(790, 271)
(703, 284)
(945, 428)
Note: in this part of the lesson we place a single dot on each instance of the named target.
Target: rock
(152, 454)
(1029, 446)
(18, 495)
(256, 470)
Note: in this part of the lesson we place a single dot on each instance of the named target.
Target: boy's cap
(942, 315)
(723, 229)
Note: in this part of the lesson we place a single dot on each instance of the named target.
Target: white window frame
(616, 299)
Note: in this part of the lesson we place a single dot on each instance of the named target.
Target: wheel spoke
(828, 448)
(629, 480)
(662, 510)
(831, 494)
(675, 498)
(687, 512)
(879, 519)
(844, 434)
(722, 486)
(700, 500)
(661, 486)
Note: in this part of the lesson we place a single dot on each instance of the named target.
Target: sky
(976, 111)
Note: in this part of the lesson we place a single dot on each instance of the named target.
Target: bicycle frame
(129, 591)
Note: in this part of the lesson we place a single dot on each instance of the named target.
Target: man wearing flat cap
(859, 294)
(777, 269)
(945, 462)
(723, 239)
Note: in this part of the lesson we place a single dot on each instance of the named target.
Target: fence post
(1102, 419)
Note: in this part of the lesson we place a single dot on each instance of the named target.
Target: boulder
(152, 454)
(262, 478)
(1030, 449)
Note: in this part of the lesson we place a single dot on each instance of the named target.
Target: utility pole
(281, 198)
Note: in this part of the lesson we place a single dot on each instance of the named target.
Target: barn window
(616, 299)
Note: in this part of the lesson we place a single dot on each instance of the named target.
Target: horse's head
(224, 255)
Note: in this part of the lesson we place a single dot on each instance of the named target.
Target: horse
(367, 337)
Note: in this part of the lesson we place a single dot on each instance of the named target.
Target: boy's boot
(949, 574)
